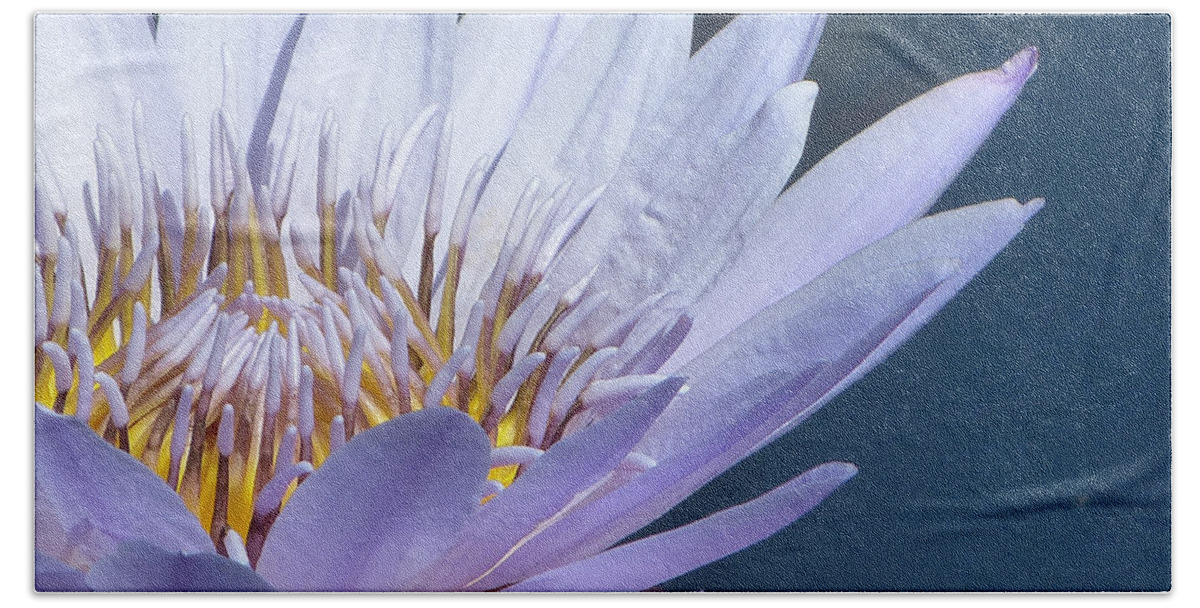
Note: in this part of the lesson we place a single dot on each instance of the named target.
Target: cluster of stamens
(201, 354)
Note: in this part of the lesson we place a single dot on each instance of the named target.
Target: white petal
(372, 70)
(581, 118)
(653, 193)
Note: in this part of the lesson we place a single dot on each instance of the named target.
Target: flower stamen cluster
(238, 389)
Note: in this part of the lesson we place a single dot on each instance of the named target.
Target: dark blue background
(1021, 441)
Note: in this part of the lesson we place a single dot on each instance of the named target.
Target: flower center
(232, 370)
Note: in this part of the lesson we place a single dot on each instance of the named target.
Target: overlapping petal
(651, 196)
(871, 185)
(91, 497)
(143, 566)
(692, 153)
(603, 92)
(381, 507)
(643, 563)
(555, 482)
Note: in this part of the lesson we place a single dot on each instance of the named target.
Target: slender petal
(499, 61)
(873, 184)
(673, 247)
(726, 84)
(540, 494)
(767, 375)
(644, 563)
(973, 234)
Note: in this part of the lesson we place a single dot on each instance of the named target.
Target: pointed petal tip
(839, 471)
(1033, 206)
(808, 88)
(1022, 65)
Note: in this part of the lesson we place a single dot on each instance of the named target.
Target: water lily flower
(434, 303)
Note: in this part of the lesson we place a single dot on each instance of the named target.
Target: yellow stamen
(329, 244)
(445, 326)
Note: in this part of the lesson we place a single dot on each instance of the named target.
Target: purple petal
(869, 187)
(749, 411)
(646, 562)
(381, 507)
(143, 566)
(826, 321)
(971, 235)
(974, 234)
(553, 480)
(264, 118)
(91, 496)
(772, 373)
(50, 574)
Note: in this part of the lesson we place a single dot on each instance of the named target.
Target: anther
(398, 358)
(64, 278)
(352, 379)
(516, 324)
(285, 454)
(327, 145)
(139, 273)
(513, 455)
(507, 387)
(539, 413)
(565, 230)
(179, 436)
(383, 157)
(267, 505)
(62, 373)
(235, 550)
(468, 201)
(272, 399)
(337, 433)
(221, 500)
(80, 350)
(135, 349)
(225, 431)
(616, 332)
(47, 198)
(561, 332)
(304, 421)
(576, 382)
(194, 373)
(79, 307)
(118, 413)
(444, 376)
(574, 292)
(437, 186)
(333, 344)
(605, 396)
(41, 316)
(186, 342)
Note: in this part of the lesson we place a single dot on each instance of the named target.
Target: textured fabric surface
(1021, 441)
